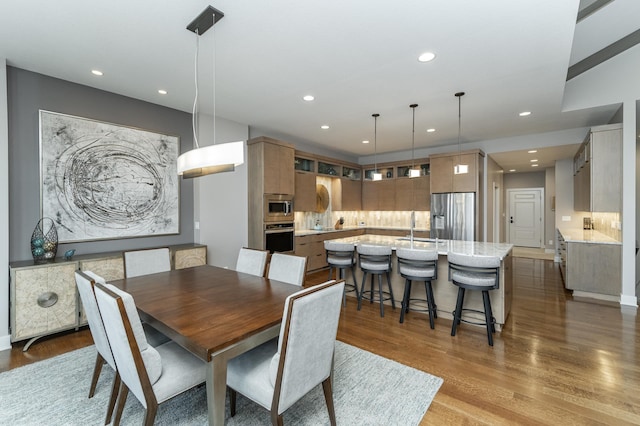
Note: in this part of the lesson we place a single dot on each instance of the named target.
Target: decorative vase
(44, 241)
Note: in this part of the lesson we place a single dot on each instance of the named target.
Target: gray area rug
(368, 390)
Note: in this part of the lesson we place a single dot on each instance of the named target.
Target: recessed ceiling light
(162, 91)
(96, 72)
(431, 130)
(426, 57)
(512, 170)
(535, 160)
(324, 127)
(308, 98)
(532, 151)
(534, 165)
(365, 141)
(524, 113)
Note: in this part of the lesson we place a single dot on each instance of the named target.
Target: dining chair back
(153, 375)
(276, 375)
(252, 261)
(287, 268)
(147, 261)
(85, 282)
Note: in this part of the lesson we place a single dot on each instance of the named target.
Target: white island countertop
(442, 246)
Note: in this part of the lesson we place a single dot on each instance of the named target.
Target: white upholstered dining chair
(278, 373)
(153, 375)
(252, 261)
(287, 268)
(85, 282)
(147, 261)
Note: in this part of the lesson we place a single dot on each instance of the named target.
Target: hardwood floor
(559, 360)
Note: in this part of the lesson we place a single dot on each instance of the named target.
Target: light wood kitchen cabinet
(444, 180)
(351, 195)
(312, 246)
(594, 268)
(271, 166)
(597, 179)
(412, 194)
(379, 195)
(305, 193)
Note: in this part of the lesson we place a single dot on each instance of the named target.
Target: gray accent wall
(30, 92)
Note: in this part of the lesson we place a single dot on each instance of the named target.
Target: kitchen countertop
(303, 232)
(578, 235)
(443, 247)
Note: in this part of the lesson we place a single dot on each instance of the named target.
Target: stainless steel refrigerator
(453, 216)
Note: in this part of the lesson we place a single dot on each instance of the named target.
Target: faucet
(413, 225)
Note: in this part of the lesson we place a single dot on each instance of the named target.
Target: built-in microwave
(278, 207)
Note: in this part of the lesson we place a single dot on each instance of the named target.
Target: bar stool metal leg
(405, 299)
(488, 316)
(458, 312)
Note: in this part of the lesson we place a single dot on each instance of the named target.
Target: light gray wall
(564, 195)
(524, 180)
(221, 203)
(29, 92)
(5, 341)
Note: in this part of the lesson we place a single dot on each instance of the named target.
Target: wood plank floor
(559, 360)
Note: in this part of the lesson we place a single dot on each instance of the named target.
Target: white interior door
(525, 220)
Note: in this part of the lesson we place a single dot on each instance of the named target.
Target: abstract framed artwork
(105, 181)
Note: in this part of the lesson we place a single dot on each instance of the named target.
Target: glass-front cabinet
(404, 170)
(305, 164)
(329, 169)
(386, 172)
(351, 173)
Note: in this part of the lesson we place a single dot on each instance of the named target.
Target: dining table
(215, 313)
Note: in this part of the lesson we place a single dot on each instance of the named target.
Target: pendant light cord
(413, 136)
(459, 95)
(194, 120)
(375, 141)
(213, 30)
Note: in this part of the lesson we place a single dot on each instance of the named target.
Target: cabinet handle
(47, 300)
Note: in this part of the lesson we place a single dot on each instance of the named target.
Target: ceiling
(357, 58)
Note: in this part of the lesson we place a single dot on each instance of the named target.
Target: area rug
(368, 390)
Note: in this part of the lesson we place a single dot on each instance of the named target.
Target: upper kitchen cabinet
(379, 195)
(413, 194)
(346, 191)
(597, 178)
(443, 179)
(305, 194)
(271, 165)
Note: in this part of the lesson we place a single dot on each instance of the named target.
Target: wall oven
(278, 208)
(279, 237)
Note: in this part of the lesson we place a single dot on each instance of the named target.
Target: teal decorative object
(44, 241)
(68, 254)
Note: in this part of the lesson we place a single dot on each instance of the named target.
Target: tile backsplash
(376, 219)
(607, 223)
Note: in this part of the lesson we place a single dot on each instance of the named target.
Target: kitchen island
(445, 292)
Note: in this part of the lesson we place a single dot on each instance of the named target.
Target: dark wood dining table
(214, 313)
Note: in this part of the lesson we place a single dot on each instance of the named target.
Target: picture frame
(102, 181)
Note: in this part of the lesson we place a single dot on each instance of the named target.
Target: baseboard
(628, 300)
(5, 342)
(609, 298)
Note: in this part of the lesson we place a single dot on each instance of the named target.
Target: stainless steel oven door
(278, 237)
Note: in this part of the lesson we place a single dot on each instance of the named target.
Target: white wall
(5, 340)
(221, 203)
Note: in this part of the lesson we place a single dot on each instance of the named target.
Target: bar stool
(474, 273)
(418, 265)
(341, 256)
(375, 260)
